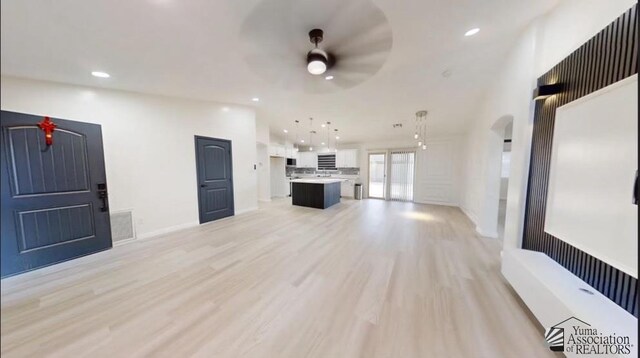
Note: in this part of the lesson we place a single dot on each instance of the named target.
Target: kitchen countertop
(314, 176)
(317, 180)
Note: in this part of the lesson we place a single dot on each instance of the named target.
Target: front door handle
(203, 185)
(102, 194)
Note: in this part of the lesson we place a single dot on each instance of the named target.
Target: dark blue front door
(52, 209)
(215, 178)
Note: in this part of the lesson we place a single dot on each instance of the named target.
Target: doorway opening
(505, 169)
(497, 184)
(392, 174)
(377, 175)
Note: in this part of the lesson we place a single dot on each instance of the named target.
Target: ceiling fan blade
(274, 39)
(364, 51)
(344, 79)
(356, 24)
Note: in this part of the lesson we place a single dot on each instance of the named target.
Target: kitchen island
(315, 193)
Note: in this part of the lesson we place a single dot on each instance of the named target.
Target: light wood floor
(361, 279)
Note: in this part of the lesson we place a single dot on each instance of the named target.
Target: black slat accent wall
(608, 57)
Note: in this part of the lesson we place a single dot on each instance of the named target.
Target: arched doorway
(497, 179)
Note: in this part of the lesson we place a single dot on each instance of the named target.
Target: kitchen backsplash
(343, 171)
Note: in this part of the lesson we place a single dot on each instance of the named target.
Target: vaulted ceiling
(232, 51)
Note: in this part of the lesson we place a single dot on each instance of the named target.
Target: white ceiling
(193, 49)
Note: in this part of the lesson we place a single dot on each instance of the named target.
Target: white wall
(438, 168)
(148, 145)
(438, 172)
(544, 43)
(262, 131)
(277, 168)
(262, 159)
(263, 172)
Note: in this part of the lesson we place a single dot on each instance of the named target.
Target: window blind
(401, 175)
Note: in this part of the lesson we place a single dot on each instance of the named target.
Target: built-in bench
(554, 294)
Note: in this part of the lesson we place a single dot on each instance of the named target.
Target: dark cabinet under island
(315, 193)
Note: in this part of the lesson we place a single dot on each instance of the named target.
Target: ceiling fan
(318, 61)
(351, 42)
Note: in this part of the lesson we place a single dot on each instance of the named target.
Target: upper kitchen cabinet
(347, 158)
(291, 153)
(307, 160)
(277, 151)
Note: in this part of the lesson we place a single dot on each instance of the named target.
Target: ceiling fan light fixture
(317, 62)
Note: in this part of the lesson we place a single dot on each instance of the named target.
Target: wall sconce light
(545, 91)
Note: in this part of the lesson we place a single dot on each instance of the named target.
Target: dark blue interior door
(51, 205)
(215, 178)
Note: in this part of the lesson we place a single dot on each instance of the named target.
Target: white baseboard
(443, 203)
(469, 214)
(489, 234)
(124, 242)
(168, 230)
(175, 228)
(474, 220)
(243, 211)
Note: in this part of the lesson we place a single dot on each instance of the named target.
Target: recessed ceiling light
(472, 32)
(100, 74)
(301, 140)
(337, 137)
(225, 109)
(255, 99)
(322, 143)
(323, 125)
(286, 131)
(328, 78)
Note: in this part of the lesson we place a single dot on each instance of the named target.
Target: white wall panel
(594, 160)
(438, 171)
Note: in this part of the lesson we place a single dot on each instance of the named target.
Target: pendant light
(295, 144)
(337, 138)
(311, 133)
(328, 136)
(421, 129)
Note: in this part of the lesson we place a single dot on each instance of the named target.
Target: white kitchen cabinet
(347, 158)
(276, 151)
(307, 160)
(291, 153)
(346, 188)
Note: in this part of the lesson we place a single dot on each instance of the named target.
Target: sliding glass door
(401, 174)
(377, 175)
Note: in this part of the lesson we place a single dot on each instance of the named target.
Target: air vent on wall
(122, 226)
